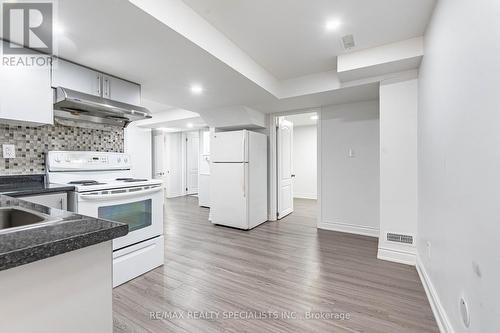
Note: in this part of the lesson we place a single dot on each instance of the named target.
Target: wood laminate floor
(274, 278)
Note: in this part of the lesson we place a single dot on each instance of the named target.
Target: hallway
(287, 268)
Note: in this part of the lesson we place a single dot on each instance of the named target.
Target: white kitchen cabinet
(75, 77)
(70, 292)
(121, 90)
(25, 94)
(53, 200)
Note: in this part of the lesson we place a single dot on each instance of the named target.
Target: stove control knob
(125, 160)
(57, 159)
(119, 159)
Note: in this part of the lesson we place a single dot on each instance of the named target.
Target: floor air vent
(399, 238)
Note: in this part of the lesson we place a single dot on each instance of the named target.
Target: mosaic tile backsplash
(33, 142)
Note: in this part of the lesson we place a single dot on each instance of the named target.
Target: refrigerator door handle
(244, 147)
(244, 180)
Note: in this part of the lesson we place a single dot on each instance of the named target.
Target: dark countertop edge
(31, 184)
(51, 249)
(35, 191)
(34, 244)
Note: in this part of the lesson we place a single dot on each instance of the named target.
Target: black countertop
(23, 185)
(69, 232)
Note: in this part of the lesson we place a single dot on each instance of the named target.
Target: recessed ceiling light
(190, 125)
(196, 89)
(332, 25)
(315, 117)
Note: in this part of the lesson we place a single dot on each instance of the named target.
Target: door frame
(273, 165)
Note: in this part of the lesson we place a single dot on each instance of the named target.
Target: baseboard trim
(285, 213)
(401, 257)
(436, 305)
(311, 196)
(349, 228)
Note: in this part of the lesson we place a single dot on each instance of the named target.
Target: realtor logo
(28, 27)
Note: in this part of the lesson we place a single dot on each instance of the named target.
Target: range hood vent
(80, 107)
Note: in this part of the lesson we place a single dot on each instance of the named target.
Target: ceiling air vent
(348, 41)
(399, 238)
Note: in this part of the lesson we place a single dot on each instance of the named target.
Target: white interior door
(285, 167)
(173, 159)
(192, 162)
(159, 164)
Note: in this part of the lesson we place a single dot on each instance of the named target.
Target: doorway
(296, 162)
(176, 157)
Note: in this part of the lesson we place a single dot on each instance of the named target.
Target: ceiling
(302, 119)
(288, 37)
(267, 41)
(181, 125)
(122, 40)
(359, 93)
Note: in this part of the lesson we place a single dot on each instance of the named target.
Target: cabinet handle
(107, 87)
(98, 84)
(61, 203)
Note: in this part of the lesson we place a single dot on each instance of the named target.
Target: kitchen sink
(12, 218)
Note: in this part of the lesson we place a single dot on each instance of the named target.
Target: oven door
(139, 207)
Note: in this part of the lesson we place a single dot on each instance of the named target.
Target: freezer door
(229, 146)
(229, 194)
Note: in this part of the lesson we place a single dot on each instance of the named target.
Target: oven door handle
(110, 196)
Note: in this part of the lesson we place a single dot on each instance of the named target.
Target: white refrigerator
(238, 179)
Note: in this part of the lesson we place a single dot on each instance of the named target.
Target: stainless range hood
(80, 107)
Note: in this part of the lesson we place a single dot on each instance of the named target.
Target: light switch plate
(9, 151)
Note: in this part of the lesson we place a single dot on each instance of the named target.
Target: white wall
(305, 162)
(350, 185)
(398, 167)
(234, 118)
(459, 161)
(138, 143)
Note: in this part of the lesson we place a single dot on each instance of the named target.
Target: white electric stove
(105, 188)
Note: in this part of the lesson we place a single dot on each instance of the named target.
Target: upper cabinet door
(75, 77)
(25, 94)
(121, 90)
